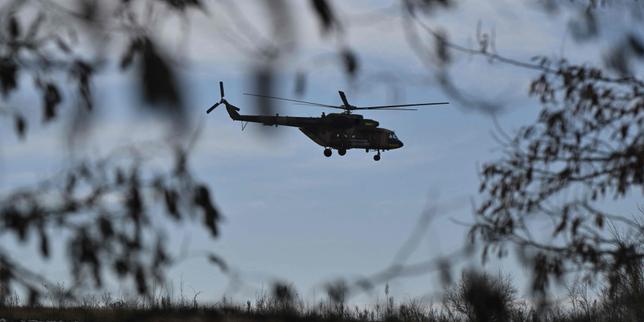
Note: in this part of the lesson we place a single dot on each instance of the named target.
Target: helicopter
(339, 131)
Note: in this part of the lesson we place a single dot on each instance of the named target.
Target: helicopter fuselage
(355, 137)
(340, 131)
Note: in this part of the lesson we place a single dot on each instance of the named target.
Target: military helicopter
(340, 131)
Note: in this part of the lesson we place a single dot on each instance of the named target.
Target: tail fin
(232, 111)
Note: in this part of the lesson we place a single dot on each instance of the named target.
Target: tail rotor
(222, 100)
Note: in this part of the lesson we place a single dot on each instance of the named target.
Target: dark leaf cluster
(481, 297)
(587, 143)
(55, 49)
(106, 210)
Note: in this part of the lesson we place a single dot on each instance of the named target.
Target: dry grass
(477, 297)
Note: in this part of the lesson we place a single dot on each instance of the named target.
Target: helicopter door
(377, 139)
(383, 139)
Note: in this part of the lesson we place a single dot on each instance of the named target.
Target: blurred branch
(106, 208)
(543, 66)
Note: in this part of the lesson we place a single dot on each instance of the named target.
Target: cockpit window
(392, 135)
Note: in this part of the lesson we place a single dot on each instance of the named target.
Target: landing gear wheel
(376, 157)
(342, 151)
(327, 152)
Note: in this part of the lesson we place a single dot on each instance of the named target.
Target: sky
(290, 213)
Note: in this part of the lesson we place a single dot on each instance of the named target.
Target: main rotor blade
(221, 89)
(391, 109)
(212, 108)
(292, 100)
(375, 107)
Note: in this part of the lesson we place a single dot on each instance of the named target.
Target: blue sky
(290, 213)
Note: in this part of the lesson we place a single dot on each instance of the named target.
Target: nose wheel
(327, 152)
(342, 152)
(377, 157)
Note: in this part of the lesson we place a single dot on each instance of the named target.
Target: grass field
(477, 297)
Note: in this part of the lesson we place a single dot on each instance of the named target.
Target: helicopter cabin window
(392, 135)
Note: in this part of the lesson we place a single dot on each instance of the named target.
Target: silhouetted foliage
(587, 145)
(589, 138)
(476, 297)
(325, 14)
(104, 208)
(586, 148)
(481, 297)
(624, 296)
(55, 44)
